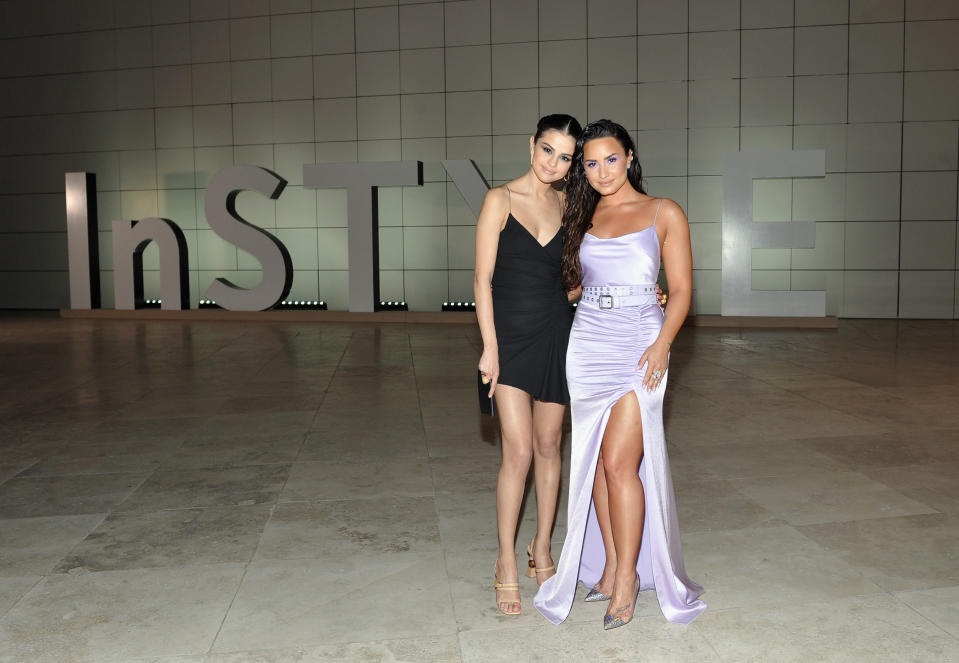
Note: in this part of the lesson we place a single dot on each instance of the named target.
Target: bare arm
(488, 227)
(678, 260)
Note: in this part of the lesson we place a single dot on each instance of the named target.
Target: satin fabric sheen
(605, 346)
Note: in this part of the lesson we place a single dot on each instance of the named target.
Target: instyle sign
(131, 237)
(740, 234)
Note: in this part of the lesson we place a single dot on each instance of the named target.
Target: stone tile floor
(222, 492)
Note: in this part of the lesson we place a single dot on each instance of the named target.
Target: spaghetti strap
(509, 198)
(656, 216)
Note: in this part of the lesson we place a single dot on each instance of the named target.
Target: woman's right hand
(489, 367)
(661, 297)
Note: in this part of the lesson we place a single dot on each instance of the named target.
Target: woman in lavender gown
(622, 530)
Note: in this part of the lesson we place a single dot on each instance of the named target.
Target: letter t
(361, 180)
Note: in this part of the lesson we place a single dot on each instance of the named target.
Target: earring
(566, 178)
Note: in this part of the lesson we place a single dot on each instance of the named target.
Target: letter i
(83, 247)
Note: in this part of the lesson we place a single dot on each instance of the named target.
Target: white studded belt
(619, 296)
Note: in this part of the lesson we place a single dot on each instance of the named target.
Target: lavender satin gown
(605, 346)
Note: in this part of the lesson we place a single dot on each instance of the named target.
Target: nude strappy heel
(505, 587)
(532, 570)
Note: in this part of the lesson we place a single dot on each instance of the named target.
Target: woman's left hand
(656, 360)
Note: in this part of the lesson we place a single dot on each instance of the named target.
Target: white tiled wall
(156, 96)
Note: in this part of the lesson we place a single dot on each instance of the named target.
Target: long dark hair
(581, 198)
(565, 124)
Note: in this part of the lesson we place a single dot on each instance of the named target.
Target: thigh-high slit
(604, 350)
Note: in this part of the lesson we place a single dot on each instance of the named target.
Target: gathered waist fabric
(602, 365)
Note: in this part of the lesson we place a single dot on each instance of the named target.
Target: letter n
(130, 238)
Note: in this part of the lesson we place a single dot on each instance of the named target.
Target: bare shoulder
(497, 197)
(671, 213)
(670, 209)
(495, 206)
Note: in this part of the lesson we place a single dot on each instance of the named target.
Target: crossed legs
(531, 433)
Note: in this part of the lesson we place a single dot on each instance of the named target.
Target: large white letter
(361, 180)
(83, 250)
(129, 240)
(220, 207)
(470, 182)
(741, 234)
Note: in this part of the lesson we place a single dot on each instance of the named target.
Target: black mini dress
(531, 313)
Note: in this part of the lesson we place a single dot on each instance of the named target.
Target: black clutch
(485, 401)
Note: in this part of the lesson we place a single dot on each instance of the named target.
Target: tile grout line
(273, 507)
(902, 134)
(429, 462)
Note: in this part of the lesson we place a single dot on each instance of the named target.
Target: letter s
(220, 207)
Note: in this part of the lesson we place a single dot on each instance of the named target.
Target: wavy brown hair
(581, 197)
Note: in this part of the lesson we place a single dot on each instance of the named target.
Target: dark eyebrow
(611, 154)
(565, 154)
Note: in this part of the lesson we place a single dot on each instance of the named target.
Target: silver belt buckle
(606, 301)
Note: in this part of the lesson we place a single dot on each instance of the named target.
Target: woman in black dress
(524, 317)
